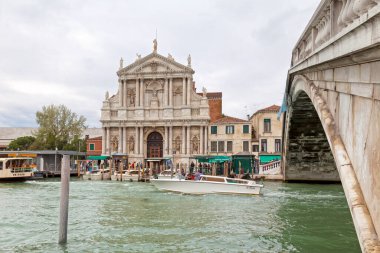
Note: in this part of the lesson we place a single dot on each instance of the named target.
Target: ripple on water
(135, 217)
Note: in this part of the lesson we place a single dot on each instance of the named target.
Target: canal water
(135, 217)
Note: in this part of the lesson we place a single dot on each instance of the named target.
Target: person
(192, 167)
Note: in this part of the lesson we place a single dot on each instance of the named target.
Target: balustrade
(329, 20)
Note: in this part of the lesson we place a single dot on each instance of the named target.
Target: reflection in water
(135, 217)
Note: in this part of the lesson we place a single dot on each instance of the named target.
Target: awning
(269, 158)
(154, 160)
(219, 159)
(97, 157)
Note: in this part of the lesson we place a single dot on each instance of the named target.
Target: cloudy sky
(67, 52)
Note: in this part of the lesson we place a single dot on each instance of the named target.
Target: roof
(228, 119)
(211, 95)
(95, 138)
(272, 108)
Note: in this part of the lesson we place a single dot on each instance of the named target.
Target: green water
(135, 217)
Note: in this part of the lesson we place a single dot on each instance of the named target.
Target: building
(267, 134)
(94, 146)
(229, 136)
(156, 113)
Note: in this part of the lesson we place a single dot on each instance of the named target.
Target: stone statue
(107, 95)
(121, 63)
(138, 56)
(131, 145)
(155, 45)
(195, 146)
(204, 90)
(170, 57)
(189, 61)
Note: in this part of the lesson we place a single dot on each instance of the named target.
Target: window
(267, 126)
(277, 145)
(229, 146)
(245, 129)
(92, 146)
(230, 129)
(214, 129)
(1, 165)
(214, 146)
(264, 145)
(220, 146)
(245, 146)
(255, 148)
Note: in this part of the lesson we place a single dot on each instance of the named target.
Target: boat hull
(199, 187)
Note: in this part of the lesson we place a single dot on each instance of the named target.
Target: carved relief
(114, 143)
(131, 143)
(177, 91)
(195, 145)
(132, 96)
(177, 144)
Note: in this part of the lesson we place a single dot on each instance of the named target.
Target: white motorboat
(130, 175)
(16, 168)
(97, 175)
(209, 184)
(166, 174)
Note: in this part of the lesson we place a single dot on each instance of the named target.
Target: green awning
(269, 158)
(213, 159)
(219, 159)
(97, 157)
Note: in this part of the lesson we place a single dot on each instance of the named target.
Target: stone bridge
(332, 97)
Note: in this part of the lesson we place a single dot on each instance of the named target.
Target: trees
(58, 128)
(22, 143)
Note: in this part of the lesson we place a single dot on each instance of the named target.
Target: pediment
(154, 63)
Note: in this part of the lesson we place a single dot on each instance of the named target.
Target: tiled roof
(95, 138)
(228, 119)
(212, 94)
(272, 108)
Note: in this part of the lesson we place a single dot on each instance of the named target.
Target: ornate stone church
(156, 113)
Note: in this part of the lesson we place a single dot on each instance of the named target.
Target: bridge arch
(306, 103)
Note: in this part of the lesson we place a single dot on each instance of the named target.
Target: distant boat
(209, 184)
(16, 168)
(168, 174)
(97, 175)
(129, 175)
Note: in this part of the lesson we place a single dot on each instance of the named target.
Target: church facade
(156, 113)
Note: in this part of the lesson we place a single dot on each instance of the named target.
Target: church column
(171, 92)
(166, 93)
(188, 90)
(166, 142)
(124, 140)
(104, 141)
(120, 92)
(125, 93)
(142, 93)
(201, 140)
(188, 141)
(142, 140)
(120, 145)
(170, 140)
(137, 145)
(206, 140)
(184, 91)
(137, 100)
(108, 151)
(183, 140)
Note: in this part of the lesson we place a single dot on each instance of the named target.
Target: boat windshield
(236, 181)
(212, 179)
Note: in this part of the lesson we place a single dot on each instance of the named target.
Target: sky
(67, 52)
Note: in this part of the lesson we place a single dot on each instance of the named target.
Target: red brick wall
(215, 105)
(98, 146)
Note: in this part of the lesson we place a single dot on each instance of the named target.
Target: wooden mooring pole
(64, 204)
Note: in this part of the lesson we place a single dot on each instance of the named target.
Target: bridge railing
(332, 20)
(270, 168)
